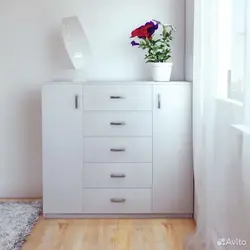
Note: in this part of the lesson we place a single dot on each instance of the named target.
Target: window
(232, 48)
(238, 50)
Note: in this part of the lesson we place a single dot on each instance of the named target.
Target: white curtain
(221, 135)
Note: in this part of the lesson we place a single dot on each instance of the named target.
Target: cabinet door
(172, 150)
(62, 148)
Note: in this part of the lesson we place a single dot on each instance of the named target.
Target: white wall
(31, 49)
(189, 43)
(189, 40)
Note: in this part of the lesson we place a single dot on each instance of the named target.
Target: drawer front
(117, 97)
(117, 201)
(117, 123)
(117, 175)
(118, 150)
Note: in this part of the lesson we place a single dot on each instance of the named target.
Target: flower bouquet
(158, 48)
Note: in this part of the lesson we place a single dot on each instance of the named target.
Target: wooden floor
(110, 234)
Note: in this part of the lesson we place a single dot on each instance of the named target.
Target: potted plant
(158, 48)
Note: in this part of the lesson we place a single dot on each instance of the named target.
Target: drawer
(117, 97)
(117, 175)
(117, 201)
(116, 123)
(117, 149)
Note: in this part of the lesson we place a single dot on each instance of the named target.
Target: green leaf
(150, 61)
(164, 32)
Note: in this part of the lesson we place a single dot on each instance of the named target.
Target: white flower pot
(161, 72)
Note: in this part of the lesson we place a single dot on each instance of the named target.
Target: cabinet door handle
(117, 97)
(118, 200)
(117, 150)
(117, 175)
(117, 123)
(76, 102)
(159, 101)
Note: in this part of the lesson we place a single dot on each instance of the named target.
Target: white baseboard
(116, 216)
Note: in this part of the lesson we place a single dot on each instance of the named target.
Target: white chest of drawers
(118, 149)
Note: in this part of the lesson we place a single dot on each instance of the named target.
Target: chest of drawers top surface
(112, 83)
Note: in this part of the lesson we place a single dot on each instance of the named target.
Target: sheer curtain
(221, 131)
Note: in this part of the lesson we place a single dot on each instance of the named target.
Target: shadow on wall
(58, 53)
(21, 173)
(32, 142)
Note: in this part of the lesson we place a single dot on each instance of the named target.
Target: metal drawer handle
(117, 97)
(117, 150)
(118, 200)
(117, 123)
(117, 175)
(159, 101)
(76, 101)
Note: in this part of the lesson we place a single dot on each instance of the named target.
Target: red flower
(143, 31)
